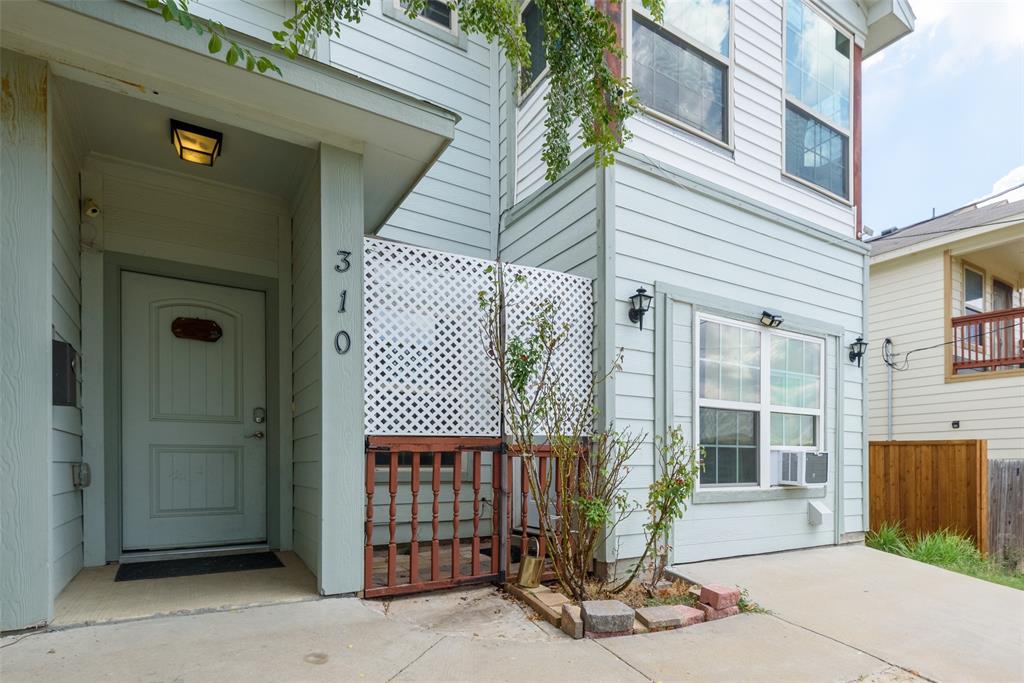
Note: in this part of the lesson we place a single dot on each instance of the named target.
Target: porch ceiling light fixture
(770, 319)
(639, 304)
(857, 349)
(196, 144)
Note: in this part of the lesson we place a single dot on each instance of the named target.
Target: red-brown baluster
(475, 560)
(392, 511)
(558, 488)
(542, 476)
(524, 481)
(509, 463)
(414, 544)
(456, 486)
(371, 464)
(435, 546)
(495, 507)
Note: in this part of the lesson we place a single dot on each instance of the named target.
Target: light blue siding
(306, 374)
(66, 552)
(671, 233)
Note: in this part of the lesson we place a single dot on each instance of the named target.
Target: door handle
(255, 435)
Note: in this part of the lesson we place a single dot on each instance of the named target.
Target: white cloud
(1013, 179)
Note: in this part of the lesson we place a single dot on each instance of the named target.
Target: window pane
(677, 80)
(437, 12)
(794, 431)
(705, 20)
(974, 290)
(795, 372)
(729, 440)
(730, 362)
(532, 21)
(817, 64)
(816, 152)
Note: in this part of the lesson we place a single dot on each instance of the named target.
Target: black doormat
(194, 566)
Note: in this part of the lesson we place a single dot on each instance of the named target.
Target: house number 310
(342, 340)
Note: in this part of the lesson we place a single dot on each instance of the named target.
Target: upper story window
(819, 74)
(436, 12)
(974, 291)
(757, 391)
(533, 22)
(681, 69)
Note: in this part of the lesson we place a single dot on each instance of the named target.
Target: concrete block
(719, 596)
(552, 599)
(660, 618)
(689, 615)
(639, 628)
(572, 621)
(606, 617)
(711, 614)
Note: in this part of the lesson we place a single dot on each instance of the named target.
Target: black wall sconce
(639, 304)
(857, 350)
(770, 319)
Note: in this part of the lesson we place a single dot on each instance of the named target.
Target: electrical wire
(890, 358)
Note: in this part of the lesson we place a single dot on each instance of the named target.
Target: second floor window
(533, 22)
(818, 104)
(974, 291)
(437, 12)
(681, 69)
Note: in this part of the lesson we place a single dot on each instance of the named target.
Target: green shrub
(947, 548)
(890, 537)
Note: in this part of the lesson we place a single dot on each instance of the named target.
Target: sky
(943, 112)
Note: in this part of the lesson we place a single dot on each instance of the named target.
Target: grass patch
(944, 548)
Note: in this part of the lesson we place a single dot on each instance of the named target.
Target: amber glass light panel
(195, 144)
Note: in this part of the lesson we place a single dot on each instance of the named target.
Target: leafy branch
(579, 41)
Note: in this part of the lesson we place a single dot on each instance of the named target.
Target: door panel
(192, 473)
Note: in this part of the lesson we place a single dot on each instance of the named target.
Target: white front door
(194, 458)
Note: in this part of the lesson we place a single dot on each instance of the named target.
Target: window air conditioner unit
(800, 468)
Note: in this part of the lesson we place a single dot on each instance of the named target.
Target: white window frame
(631, 7)
(541, 77)
(787, 99)
(453, 29)
(764, 407)
(984, 287)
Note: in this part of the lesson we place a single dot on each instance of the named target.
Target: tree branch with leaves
(578, 40)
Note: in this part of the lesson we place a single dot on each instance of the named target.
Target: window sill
(758, 495)
(808, 185)
(456, 39)
(688, 133)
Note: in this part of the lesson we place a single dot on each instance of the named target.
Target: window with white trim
(680, 68)
(757, 391)
(435, 12)
(819, 76)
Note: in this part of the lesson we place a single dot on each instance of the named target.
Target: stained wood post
(414, 544)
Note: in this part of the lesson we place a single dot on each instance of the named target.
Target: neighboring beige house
(947, 293)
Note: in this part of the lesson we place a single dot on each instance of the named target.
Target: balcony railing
(988, 341)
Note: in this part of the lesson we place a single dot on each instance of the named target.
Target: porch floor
(94, 597)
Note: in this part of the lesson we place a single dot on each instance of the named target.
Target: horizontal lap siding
(754, 167)
(66, 551)
(450, 208)
(671, 234)
(255, 17)
(907, 305)
(306, 375)
(530, 116)
(558, 232)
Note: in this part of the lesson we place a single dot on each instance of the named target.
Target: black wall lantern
(857, 349)
(770, 319)
(639, 304)
(196, 144)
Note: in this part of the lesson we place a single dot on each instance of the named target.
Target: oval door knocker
(197, 329)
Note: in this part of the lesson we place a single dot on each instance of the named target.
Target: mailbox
(65, 374)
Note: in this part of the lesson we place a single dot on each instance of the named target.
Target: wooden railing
(987, 341)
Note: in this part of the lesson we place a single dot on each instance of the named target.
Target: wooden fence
(931, 485)
(1006, 511)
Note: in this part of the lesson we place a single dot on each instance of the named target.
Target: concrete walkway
(469, 635)
(939, 624)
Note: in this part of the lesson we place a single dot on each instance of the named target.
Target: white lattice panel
(572, 297)
(425, 370)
